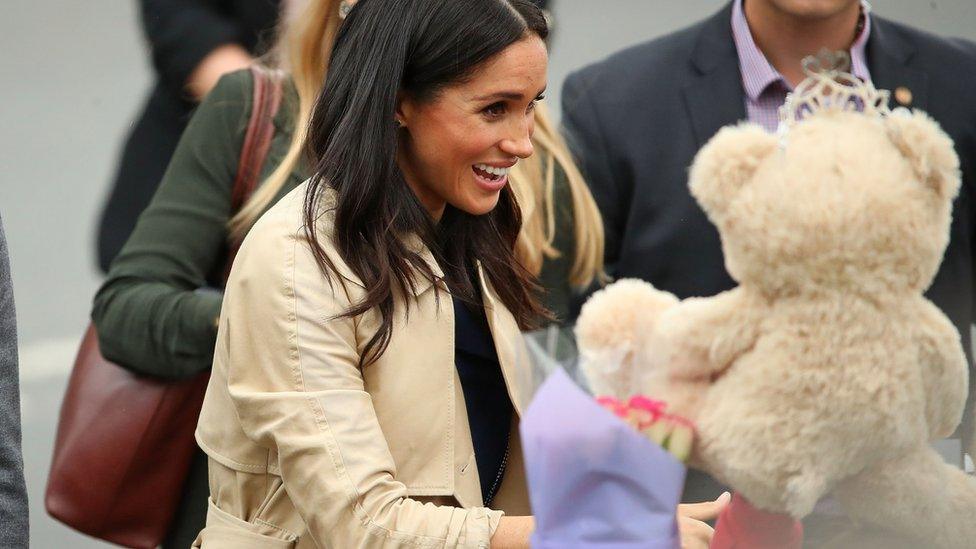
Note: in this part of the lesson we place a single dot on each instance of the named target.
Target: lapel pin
(903, 96)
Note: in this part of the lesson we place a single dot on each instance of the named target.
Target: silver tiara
(830, 87)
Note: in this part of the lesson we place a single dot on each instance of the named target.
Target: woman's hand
(695, 532)
(513, 533)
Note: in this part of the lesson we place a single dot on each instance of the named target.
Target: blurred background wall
(73, 76)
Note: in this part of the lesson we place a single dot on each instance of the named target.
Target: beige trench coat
(306, 449)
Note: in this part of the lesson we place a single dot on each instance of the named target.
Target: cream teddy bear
(825, 370)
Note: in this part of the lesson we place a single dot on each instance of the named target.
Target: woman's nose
(519, 143)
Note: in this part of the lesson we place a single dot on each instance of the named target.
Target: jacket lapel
(512, 496)
(888, 58)
(508, 341)
(714, 96)
(421, 283)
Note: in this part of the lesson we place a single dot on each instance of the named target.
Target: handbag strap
(257, 142)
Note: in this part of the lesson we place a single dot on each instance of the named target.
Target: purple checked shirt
(765, 87)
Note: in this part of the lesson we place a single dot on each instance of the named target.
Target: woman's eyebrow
(509, 95)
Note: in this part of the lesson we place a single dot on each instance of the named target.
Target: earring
(399, 123)
(344, 8)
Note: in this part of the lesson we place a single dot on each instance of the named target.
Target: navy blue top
(485, 395)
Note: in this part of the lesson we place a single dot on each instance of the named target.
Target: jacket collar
(714, 96)
(421, 283)
(504, 328)
(412, 241)
(715, 45)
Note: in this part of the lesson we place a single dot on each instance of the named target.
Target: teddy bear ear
(928, 149)
(727, 162)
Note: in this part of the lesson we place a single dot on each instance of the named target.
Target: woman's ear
(726, 163)
(405, 109)
(929, 150)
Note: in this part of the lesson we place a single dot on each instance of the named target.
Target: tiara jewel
(830, 87)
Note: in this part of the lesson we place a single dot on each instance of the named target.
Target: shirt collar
(859, 59)
(758, 74)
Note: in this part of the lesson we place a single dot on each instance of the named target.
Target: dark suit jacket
(180, 33)
(636, 120)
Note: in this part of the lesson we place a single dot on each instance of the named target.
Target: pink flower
(615, 407)
(646, 410)
(649, 417)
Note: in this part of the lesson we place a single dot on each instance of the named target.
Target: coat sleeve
(13, 492)
(292, 370)
(181, 33)
(150, 314)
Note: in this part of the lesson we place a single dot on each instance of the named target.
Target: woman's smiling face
(457, 147)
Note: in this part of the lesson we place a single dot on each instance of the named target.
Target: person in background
(14, 531)
(636, 120)
(193, 43)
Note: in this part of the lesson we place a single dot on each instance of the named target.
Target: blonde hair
(533, 181)
(303, 50)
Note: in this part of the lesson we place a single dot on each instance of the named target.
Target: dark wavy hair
(385, 48)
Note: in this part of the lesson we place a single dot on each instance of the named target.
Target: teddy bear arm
(944, 372)
(703, 336)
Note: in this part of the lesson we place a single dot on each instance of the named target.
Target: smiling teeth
(492, 170)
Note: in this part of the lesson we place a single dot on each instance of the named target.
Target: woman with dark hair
(360, 395)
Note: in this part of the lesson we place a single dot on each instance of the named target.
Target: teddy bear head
(843, 201)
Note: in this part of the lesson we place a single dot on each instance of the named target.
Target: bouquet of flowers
(604, 458)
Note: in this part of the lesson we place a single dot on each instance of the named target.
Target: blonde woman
(192, 43)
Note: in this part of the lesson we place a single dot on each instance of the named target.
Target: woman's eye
(494, 110)
(534, 102)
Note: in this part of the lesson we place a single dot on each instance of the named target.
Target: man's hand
(223, 59)
(695, 533)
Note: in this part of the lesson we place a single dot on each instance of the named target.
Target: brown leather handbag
(125, 441)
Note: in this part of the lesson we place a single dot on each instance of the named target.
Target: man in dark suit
(636, 120)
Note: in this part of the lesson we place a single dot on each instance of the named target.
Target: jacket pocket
(225, 531)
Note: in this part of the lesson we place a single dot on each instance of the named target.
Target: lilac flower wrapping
(593, 480)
